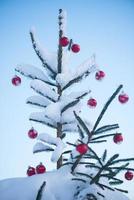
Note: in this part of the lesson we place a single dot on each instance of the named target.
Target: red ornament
(31, 171)
(16, 80)
(82, 148)
(32, 133)
(99, 75)
(129, 175)
(64, 41)
(123, 98)
(92, 103)
(75, 48)
(40, 169)
(118, 138)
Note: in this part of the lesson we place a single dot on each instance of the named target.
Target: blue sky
(99, 26)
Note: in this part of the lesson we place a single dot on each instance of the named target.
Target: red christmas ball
(31, 171)
(123, 98)
(75, 48)
(92, 103)
(99, 75)
(129, 175)
(64, 41)
(16, 80)
(40, 169)
(82, 148)
(32, 133)
(118, 138)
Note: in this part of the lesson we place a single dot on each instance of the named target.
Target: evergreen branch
(100, 194)
(105, 186)
(120, 190)
(118, 170)
(39, 92)
(70, 44)
(104, 155)
(106, 128)
(123, 168)
(122, 160)
(80, 132)
(78, 179)
(83, 174)
(96, 156)
(40, 192)
(35, 104)
(71, 144)
(71, 104)
(35, 77)
(106, 107)
(80, 121)
(59, 67)
(103, 136)
(38, 53)
(43, 122)
(99, 141)
(42, 150)
(76, 80)
(75, 164)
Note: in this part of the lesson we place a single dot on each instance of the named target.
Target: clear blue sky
(100, 26)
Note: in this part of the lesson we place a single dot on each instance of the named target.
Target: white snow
(38, 100)
(89, 66)
(58, 150)
(43, 89)
(39, 147)
(33, 72)
(59, 186)
(41, 117)
(49, 58)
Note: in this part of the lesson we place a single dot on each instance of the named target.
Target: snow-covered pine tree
(83, 175)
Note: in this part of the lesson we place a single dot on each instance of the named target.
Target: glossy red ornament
(64, 41)
(129, 175)
(118, 138)
(82, 148)
(16, 80)
(99, 75)
(31, 171)
(32, 133)
(40, 169)
(92, 103)
(75, 48)
(123, 98)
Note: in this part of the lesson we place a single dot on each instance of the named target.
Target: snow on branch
(40, 147)
(44, 137)
(38, 101)
(62, 20)
(41, 118)
(44, 90)
(33, 72)
(82, 71)
(43, 55)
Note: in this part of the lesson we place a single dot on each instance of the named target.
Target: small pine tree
(61, 108)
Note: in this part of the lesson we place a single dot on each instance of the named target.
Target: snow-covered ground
(59, 186)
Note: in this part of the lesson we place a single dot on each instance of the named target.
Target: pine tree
(61, 112)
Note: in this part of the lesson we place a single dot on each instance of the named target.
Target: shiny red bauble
(64, 41)
(92, 102)
(123, 98)
(31, 171)
(99, 75)
(75, 48)
(40, 169)
(118, 138)
(129, 175)
(82, 148)
(16, 80)
(32, 133)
